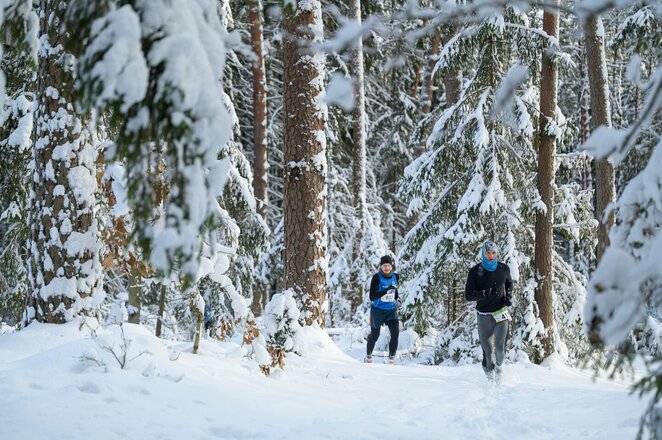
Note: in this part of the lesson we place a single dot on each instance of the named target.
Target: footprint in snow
(89, 387)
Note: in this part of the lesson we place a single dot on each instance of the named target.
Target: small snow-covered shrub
(282, 330)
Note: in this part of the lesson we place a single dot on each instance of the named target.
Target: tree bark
(358, 160)
(259, 108)
(259, 128)
(594, 43)
(544, 220)
(64, 267)
(198, 308)
(135, 286)
(162, 298)
(304, 201)
(453, 79)
(429, 80)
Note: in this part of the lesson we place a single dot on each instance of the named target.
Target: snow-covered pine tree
(358, 254)
(594, 44)
(547, 134)
(260, 123)
(64, 267)
(304, 203)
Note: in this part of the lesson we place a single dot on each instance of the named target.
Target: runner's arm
(470, 292)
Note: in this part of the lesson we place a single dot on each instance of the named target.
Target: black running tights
(394, 328)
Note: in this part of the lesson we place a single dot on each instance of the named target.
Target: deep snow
(48, 392)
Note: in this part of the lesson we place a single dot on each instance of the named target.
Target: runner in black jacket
(490, 285)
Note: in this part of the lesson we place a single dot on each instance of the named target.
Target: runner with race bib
(384, 307)
(490, 285)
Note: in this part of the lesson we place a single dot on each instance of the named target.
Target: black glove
(494, 290)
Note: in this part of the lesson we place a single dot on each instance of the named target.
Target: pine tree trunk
(304, 200)
(544, 220)
(259, 108)
(594, 42)
(358, 160)
(162, 298)
(64, 265)
(135, 286)
(259, 128)
(429, 80)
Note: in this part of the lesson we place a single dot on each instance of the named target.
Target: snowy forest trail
(46, 391)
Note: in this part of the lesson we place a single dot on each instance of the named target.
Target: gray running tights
(492, 340)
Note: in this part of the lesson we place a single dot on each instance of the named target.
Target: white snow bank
(170, 393)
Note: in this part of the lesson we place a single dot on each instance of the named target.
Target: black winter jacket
(490, 290)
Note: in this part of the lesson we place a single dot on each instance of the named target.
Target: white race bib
(389, 296)
(502, 315)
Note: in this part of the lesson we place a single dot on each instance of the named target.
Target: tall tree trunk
(304, 201)
(544, 220)
(358, 160)
(259, 128)
(594, 43)
(64, 265)
(162, 298)
(584, 127)
(429, 80)
(259, 108)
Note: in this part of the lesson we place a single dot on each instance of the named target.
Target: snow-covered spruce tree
(468, 185)
(634, 44)
(16, 125)
(282, 330)
(64, 268)
(637, 38)
(392, 110)
(156, 67)
(226, 294)
(475, 182)
(250, 236)
(625, 289)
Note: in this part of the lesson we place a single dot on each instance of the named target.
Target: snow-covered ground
(48, 391)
